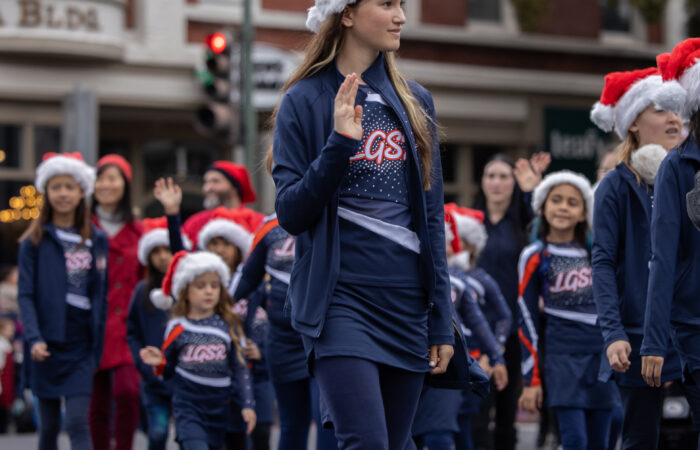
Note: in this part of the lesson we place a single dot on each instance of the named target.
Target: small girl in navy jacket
(62, 297)
(202, 351)
(146, 326)
(557, 268)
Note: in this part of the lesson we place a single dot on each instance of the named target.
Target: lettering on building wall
(576, 146)
(46, 14)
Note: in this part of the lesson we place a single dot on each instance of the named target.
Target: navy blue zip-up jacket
(146, 326)
(674, 284)
(620, 254)
(310, 160)
(42, 289)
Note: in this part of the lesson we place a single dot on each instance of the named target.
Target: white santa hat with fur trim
(65, 164)
(227, 229)
(564, 177)
(322, 10)
(625, 95)
(681, 75)
(155, 234)
(471, 230)
(183, 269)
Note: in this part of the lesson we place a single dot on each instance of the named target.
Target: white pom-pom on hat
(322, 10)
(564, 177)
(602, 116)
(646, 161)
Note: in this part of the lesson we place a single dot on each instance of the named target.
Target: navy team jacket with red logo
(310, 163)
(561, 275)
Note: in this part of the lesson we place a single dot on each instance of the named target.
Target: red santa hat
(155, 234)
(183, 269)
(451, 235)
(564, 177)
(229, 224)
(681, 75)
(65, 164)
(119, 162)
(624, 97)
(470, 225)
(239, 177)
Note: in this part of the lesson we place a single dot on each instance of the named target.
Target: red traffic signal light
(217, 42)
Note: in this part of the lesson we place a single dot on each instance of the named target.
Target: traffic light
(216, 117)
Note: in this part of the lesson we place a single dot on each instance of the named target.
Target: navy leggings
(297, 403)
(584, 429)
(76, 422)
(372, 405)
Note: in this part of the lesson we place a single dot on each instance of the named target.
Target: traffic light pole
(250, 125)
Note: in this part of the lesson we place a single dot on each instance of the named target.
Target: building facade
(497, 88)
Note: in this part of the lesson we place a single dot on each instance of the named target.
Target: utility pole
(80, 124)
(250, 122)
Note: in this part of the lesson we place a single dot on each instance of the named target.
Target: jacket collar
(689, 150)
(640, 189)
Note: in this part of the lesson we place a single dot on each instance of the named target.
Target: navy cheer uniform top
(273, 253)
(561, 275)
(202, 360)
(379, 308)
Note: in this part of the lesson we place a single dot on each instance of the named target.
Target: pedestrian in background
(117, 380)
(146, 327)
(63, 298)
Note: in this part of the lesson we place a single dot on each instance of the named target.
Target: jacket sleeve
(174, 234)
(495, 299)
(134, 335)
(26, 293)
(242, 380)
(665, 232)
(604, 260)
(440, 322)
(253, 271)
(304, 187)
(475, 320)
(528, 299)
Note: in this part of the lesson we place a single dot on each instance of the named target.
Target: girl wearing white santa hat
(358, 179)
(63, 298)
(622, 243)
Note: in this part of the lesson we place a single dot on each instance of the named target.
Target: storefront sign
(573, 141)
(39, 25)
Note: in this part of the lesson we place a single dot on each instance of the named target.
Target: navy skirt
(386, 325)
(201, 417)
(572, 382)
(284, 352)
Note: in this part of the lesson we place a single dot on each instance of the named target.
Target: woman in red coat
(117, 378)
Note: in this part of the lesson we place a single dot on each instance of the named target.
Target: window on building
(47, 138)
(487, 10)
(10, 146)
(615, 15)
(448, 154)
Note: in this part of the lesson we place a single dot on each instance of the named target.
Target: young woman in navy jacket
(63, 298)
(672, 308)
(146, 326)
(358, 183)
(622, 242)
(272, 254)
(557, 269)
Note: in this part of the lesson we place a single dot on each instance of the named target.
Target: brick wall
(444, 12)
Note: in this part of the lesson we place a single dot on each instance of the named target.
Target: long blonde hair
(322, 50)
(624, 153)
(223, 308)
